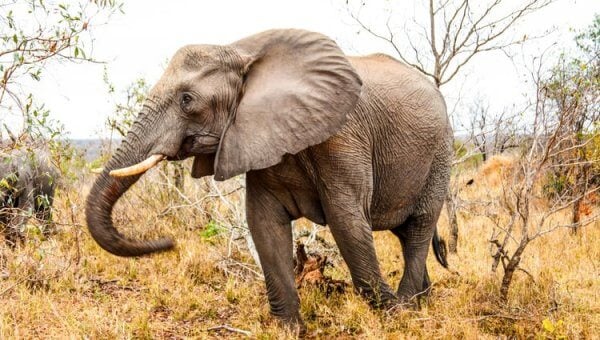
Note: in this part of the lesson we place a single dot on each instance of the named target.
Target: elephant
(359, 144)
(27, 187)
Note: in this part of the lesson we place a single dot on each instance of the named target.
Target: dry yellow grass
(67, 287)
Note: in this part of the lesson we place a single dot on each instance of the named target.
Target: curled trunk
(104, 194)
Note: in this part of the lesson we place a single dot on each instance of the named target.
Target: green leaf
(76, 51)
(4, 184)
(15, 39)
(212, 229)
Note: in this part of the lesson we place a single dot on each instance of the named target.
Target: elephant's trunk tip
(148, 247)
(128, 248)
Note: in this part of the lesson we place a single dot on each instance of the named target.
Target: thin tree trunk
(580, 190)
(497, 256)
(178, 176)
(511, 267)
(174, 172)
(453, 223)
(576, 214)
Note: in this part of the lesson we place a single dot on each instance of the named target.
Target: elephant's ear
(298, 89)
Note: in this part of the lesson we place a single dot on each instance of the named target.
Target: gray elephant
(27, 185)
(357, 143)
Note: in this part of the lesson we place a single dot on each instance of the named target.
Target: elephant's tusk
(97, 170)
(138, 168)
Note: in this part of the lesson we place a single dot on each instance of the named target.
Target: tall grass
(66, 286)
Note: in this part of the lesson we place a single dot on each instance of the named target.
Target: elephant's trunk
(106, 192)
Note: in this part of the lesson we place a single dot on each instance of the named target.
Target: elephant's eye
(186, 99)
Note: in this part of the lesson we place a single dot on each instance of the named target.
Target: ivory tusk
(96, 170)
(138, 168)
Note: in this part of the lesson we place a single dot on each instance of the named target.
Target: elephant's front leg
(270, 227)
(18, 217)
(8, 222)
(43, 213)
(354, 238)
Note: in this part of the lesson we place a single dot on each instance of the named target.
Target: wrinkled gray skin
(27, 190)
(357, 143)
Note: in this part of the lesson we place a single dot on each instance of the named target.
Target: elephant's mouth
(197, 145)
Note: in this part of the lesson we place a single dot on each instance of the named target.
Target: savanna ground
(67, 286)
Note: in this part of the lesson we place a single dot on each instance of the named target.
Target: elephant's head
(233, 108)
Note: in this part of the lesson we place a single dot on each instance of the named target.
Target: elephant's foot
(412, 298)
(293, 323)
(407, 302)
(381, 298)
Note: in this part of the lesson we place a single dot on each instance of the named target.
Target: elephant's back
(397, 94)
(405, 116)
(29, 164)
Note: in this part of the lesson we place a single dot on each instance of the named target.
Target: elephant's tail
(439, 248)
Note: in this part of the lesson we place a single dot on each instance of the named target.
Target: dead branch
(229, 329)
(456, 31)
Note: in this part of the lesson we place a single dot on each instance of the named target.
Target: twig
(229, 262)
(503, 316)
(11, 287)
(528, 274)
(230, 329)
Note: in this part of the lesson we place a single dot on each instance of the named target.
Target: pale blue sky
(137, 44)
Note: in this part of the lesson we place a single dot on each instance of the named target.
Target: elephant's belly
(396, 192)
(309, 206)
(392, 216)
(294, 190)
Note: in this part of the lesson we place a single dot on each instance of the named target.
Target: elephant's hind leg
(417, 231)
(415, 235)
